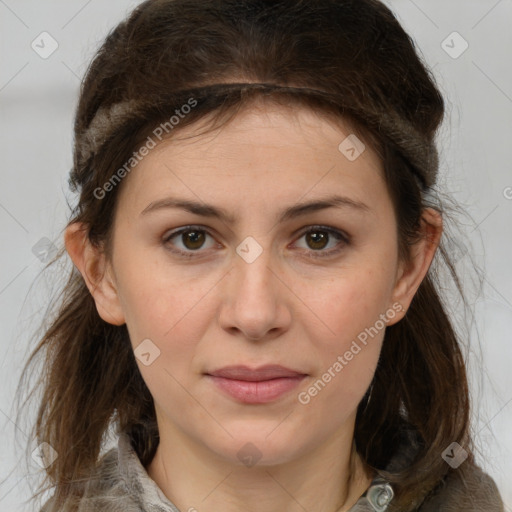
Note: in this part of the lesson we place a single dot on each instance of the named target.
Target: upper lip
(267, 372)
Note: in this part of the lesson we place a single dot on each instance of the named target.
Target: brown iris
(196, 238)
(319, 239)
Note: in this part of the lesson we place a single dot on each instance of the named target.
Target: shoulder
(107, 490)
(465, 489)
(468, 490)
(120, 484)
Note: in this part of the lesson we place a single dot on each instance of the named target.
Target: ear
(92, 263)
(411, 274)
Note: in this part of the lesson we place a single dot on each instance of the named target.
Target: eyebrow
(208, 210)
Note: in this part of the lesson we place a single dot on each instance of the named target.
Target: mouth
(256, 386)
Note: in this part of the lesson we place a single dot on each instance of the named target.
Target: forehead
(267, 150)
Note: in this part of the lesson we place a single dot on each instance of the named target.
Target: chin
(257, 445)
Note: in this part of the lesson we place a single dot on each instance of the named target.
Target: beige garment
(125, 486)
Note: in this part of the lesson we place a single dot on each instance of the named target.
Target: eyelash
(345, 239)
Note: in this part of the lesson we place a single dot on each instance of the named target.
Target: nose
(255, 299)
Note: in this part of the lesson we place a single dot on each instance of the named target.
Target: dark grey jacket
(124, 486)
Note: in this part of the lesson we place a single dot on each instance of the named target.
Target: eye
(193, 238)
(318, 238)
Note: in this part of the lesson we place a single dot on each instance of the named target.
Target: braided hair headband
(421, 153)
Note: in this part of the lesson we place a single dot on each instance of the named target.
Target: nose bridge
(254, 264)
(253, 306)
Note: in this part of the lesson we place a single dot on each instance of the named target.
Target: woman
(252, 307)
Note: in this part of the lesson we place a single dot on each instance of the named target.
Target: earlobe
(95, 269)
(411, 274)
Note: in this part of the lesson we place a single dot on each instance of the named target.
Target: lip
(256, 385)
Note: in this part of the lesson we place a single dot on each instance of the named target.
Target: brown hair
(349, 59)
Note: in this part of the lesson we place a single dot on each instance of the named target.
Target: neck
(329, 478)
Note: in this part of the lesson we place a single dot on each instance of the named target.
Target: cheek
(351, 303)
(153, 293)
(166, 305)
(347, 357)
(167, 309)
(351, 313)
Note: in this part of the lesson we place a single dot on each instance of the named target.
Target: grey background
(37, 101)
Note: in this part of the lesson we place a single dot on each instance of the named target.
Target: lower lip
(259, 392)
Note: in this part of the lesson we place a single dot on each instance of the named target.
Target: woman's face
(257, 278)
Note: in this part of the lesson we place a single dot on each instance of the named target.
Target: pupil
(196, 237)
(318, 238)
